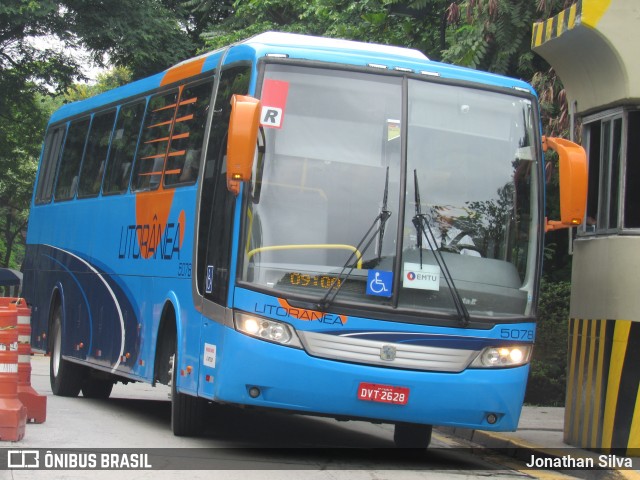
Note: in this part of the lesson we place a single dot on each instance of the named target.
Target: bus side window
(216, 204)
(188, 134)
(71, 159)
(96, 154)
(123, 147)
(154, 141)
(49, 164)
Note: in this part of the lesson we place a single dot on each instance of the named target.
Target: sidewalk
(540, 433)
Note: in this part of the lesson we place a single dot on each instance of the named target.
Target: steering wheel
(454, 245)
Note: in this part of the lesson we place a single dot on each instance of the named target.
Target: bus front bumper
(257, 373)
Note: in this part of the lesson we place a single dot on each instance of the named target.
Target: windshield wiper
(421, 223)
(384, 209)
(350, 264)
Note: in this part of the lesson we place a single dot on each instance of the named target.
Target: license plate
(374, 392)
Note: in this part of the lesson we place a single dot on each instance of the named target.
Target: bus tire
(412, 435)
(187, 412)
(96, 388)
(65, 376)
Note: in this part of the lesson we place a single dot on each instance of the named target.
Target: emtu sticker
(274, 102)
(421, 277)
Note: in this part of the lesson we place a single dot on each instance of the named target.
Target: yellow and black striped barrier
(602, 408)
(583, 12)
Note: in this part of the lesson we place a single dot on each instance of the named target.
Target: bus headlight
(266, 329)
(509, 356)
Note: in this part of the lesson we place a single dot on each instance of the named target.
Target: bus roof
(296, 46)
(332, 46)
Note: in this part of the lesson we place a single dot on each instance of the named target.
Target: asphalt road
(237, 443)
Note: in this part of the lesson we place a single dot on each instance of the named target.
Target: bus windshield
(337, 154)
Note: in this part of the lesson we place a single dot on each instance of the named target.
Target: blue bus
(314, 225)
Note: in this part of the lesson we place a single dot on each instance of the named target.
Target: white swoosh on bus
(113, 295)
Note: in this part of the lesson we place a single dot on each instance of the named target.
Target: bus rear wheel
(65, 376)
(187, 412)
(412, 435)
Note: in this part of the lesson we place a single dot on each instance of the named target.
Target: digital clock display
(306, 280)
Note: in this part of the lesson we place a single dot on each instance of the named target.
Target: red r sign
(274, 102)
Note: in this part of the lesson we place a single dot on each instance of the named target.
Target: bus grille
(371, 352)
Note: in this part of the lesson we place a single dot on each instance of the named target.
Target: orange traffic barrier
(13, 415)
(36, 404)
(6, 302)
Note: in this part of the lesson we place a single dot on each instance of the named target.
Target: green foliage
(32, 65)
(494, 37)
(141, 34)
(21, 124)
(197, 16)
(547, 378)
(366, 20)
(105, 81)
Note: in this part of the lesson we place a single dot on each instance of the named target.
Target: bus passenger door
(215, 232)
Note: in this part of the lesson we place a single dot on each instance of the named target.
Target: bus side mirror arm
(573, 182)
(241, 144)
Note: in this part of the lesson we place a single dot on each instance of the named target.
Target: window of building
(613, 147)
(632, 173)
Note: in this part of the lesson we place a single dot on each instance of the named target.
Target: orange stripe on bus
(177, 153)
(182, 71)
(188, 101)
(185, 118)
(159, 155)
(166, 107)
(148, 174)
(156, 140)
(162, 124)
(165, 139)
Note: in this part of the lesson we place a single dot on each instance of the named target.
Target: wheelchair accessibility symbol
(379, 283)
(209, 282)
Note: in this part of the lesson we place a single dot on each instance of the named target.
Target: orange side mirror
(243, 136)
(573, 182)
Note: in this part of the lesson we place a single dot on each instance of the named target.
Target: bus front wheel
(187, 412)
(65, 376)
(412, 435)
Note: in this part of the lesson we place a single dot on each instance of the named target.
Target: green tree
(197, 16)
(495, 35)
(124, 32)
(33, 64)
(143, 35)
(366, 20)
(105, 81)
(21, 124)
